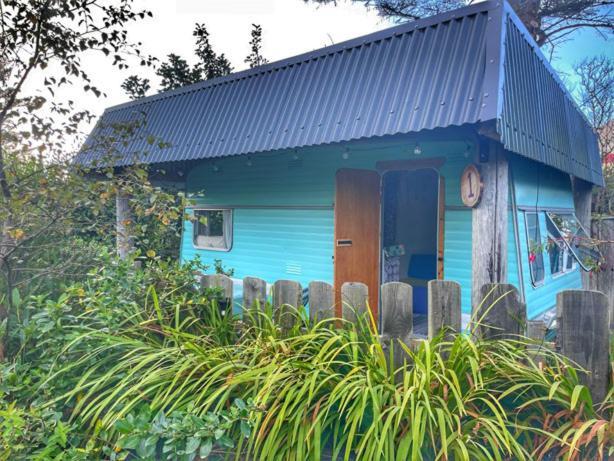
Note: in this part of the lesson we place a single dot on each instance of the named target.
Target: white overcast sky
(289, 27)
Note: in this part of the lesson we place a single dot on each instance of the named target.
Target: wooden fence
(582, 316)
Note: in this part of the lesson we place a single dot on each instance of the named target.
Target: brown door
(357, 232)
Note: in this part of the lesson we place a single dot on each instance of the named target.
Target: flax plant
(329, 387)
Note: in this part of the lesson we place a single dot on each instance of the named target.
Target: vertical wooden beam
(397, 310)
(500, 314)
(582, 320)
(489, 223)
(603, 280)
(321, 301)
(287, 299)
(354, 299)
(124, 220)
(582, 199)
(254, 296)
(444, 307)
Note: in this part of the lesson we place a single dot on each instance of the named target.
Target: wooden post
(254, 295)
(603, 280)
(582, 198)
(321, 301)
(444, 307)
(397, 319)
(501, 313)
(224, 283)
(397, 310)
(287, 299)
(354, 299)
(489, 224)
(536, 330)
(582, 320)
(124, 220)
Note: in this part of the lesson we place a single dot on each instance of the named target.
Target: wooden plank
(489, 224)
(603, 280)
(254, 295)
(536, 330)
(397, 310)
(224, 283)
(287, 299)
(397, 319)
(354, 297)
(441, 216)
(500, 314)
(444, 307)
(582, 322)
(357, 233)
(582, 198)
(321, 301)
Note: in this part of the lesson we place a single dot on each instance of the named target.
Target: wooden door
(357, 233)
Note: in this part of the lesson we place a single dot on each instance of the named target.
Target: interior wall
(417, 214)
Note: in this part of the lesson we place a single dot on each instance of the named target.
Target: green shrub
(318, 387)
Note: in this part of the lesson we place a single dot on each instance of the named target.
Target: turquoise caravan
(445, 148)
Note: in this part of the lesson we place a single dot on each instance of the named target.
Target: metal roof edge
(384, 34)
(509, 12)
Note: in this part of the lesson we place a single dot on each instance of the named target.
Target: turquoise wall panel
(539, 187)
(274, 244)
(457, 253)
(283, 208)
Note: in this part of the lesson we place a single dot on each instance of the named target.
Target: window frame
(528, 239)
(570, 250)
(225, 212)
(566, 254)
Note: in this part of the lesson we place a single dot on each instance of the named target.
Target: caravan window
(534, 242)
(561, 260)
(213, 229)
(575, 238)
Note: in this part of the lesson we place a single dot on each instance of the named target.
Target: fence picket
(321, 301)
(354, 297)
(254, 295)
(287, 298)
(583, 335)
(501, 313)
(444, 306)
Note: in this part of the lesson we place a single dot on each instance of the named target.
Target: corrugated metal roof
(539, 118)
(447, 70)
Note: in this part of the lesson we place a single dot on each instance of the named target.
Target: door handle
(344, 242)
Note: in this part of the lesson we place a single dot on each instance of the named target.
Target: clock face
(471, 186)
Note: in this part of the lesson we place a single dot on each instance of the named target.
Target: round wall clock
(471, 186)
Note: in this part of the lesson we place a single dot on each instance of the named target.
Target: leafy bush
(316, 387)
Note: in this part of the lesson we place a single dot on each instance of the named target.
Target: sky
(290, 27)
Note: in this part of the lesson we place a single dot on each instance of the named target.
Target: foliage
(316, 387)
(136, 87)
(596, 97)
(182, 435)
(548, 21)
(255, 58)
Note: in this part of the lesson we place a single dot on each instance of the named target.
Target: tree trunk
(124, 223)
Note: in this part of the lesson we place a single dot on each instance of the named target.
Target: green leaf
(192, 444)
(205, 448)
(246, 429)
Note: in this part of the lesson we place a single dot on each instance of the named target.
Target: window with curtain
(536, 253)
(213, 229)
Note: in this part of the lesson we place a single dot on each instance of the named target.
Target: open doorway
(410, 233)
